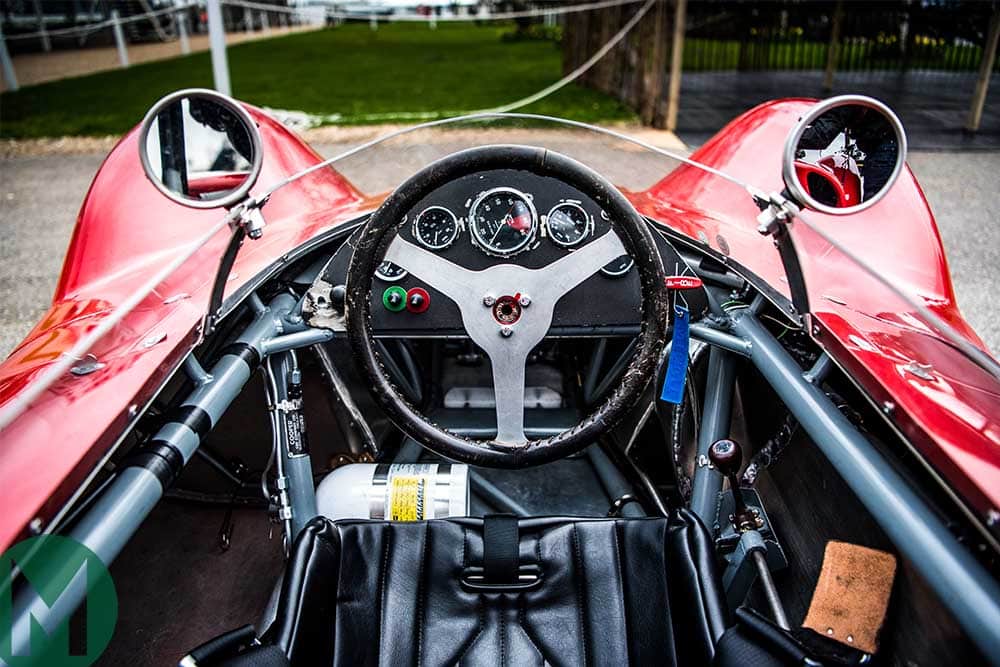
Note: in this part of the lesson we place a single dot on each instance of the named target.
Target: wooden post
(985, 70)
(676, 64)
(833, 50)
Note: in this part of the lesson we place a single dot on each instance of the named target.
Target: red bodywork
(126, 231)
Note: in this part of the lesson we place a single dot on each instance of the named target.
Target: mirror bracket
(248, 216)
(776, 209)
(246, 221)
(774, 221)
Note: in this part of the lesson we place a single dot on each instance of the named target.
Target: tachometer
(618, 266)
(503, 221)
(436, 227)
(568, 224)
(389, 272)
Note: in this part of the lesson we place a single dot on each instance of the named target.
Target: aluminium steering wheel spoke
(561, 276)
(454, 281)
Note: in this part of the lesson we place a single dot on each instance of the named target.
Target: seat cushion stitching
(580, 594)
(383, 573)
(475, 637)
(521, 621)
(421, 592)
(503, 628)
(621, 588)
(693, 552)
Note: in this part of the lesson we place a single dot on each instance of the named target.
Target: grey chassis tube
(128, 500)
(297, 468)
(962, 584)
(716, 416)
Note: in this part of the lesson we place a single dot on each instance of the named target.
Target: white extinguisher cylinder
(395, 492)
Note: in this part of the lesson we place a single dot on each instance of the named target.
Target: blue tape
(677, 366)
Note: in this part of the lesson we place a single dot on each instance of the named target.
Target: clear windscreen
(385, 162)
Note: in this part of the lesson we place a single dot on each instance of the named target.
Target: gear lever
(727, 457)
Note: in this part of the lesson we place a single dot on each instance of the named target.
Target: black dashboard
(513, 217)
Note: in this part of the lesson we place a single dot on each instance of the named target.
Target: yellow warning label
(406, 498)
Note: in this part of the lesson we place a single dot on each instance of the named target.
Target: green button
(394, 299)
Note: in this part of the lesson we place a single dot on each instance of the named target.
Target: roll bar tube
(145, 475)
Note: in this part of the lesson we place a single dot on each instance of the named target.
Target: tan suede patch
(852, 595)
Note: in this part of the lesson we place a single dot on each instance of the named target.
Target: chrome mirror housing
(844, 155)
(200, 148)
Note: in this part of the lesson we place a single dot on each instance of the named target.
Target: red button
(417, 300)
(683, 282)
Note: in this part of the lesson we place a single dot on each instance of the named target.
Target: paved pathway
(33, 68)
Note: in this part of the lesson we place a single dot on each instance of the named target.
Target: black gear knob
(727, 457)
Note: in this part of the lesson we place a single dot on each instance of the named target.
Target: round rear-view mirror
(200, 148)
(844, 155)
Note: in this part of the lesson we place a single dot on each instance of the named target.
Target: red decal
(683, 282)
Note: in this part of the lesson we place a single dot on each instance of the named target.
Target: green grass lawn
(350, 70)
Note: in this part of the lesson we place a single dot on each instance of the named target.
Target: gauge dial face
(618, 266)
(568, 224)
(389, 272)
(435, 228)
(503, 221)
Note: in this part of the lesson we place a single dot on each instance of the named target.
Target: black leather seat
(608, 592)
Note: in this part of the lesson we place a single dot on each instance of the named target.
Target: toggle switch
(394, 299)
(417, 300)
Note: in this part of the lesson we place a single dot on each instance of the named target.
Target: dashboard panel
(507, 216)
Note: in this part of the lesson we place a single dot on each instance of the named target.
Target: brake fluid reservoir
(395, 492)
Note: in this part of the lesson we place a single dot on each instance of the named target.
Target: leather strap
(500, 547)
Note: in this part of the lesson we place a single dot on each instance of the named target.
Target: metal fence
(874, 36)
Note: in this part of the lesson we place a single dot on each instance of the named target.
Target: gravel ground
(36, 219)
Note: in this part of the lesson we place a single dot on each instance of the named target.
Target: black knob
(726, 456)
(395, 299)
(338, 297)
(417, 302)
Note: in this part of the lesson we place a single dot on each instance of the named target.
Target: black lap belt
(500, 549)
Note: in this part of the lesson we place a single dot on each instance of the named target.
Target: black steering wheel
(544, 287)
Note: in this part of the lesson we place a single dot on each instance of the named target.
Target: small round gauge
(436, 227)
(389, 272)
(568, 224)
(618, 267)
(503, 221)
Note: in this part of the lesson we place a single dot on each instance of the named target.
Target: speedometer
(436, 227)
(503, 221)
(568, 224)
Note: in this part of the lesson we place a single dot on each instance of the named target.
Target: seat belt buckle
(501, 569)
